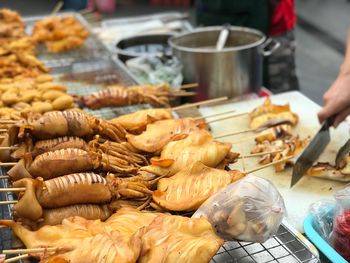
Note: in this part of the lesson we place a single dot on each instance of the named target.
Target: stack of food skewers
(69, 163)
(170, 176)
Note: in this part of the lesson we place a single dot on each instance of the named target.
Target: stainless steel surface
(311, 152)
(233, 71)
(341, 155)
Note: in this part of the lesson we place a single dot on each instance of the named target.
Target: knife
(312, 151)
(340, 161)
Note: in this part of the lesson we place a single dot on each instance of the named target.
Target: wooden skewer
(3, 130)
(269, 164)
(30, 250)
(57, 8)
(7, 121)
(13, 189)
(2, 137)
(8, 202)
(14, 259)
(234, 133)
(189, 86)
(7, 164)
(214, 115)
(183, 94)
(259, 154)
(8, 148)
(196, 104)
(228, 117)
(4, 177)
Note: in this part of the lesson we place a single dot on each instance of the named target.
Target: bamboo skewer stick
(234, 133)
(269, 164)
(32, 250)
(13, 189)
(7, 164)
(214, 115)
(196, 104)
(14, 259)
(183, 94)
(4, 177)
(57, 8)
(2, 137)
(229, 117)
(7, 121)
(3, 130)
(8, 148)
(259, 154)
(189, 86)
(8, 202)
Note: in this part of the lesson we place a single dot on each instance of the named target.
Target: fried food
(197, 146)
(193, 185)
(268, 115)
(288, 147)
(178, 239)
(160, 133)
(60, 33)
(137, 122)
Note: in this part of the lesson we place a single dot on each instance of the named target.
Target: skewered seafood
(268, 115)
(160, 133)
(70, 123)
(274, 133)
(73, 189)
(60, 33)
(197, 146)
(288, 147)
(178, 239)
(136, 122)
(71, 160)
(328, 171)
(189, 188)
(120, 96)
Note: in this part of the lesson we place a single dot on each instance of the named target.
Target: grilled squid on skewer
(69, 123)
(274, 133)
(268, 115)
(328, 171)
(137, 122)
(115, 96)
(71, 160)
(73, 189)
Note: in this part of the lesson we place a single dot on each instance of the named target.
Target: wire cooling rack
(92, 48)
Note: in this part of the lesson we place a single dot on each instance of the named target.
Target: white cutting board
(308, 190)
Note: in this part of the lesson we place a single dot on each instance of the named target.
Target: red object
(341, 234)
(283, 18)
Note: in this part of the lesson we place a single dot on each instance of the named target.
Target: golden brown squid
(71, 160)
(69, 123)
(73, 189)
(115, 96)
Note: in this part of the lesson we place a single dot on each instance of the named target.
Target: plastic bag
(341, 223)
(249, 210)
(323, 213)
(155, 70)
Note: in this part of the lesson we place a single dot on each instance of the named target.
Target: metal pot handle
(269, 46)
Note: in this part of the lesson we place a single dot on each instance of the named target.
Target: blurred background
(320, 34)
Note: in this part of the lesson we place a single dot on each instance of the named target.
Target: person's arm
(337, 97)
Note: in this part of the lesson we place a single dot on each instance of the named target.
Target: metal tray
(93, 48)
(167, 16)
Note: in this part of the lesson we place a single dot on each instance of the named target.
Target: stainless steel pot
(232, 71)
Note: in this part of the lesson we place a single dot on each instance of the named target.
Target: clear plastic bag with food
(249, 210)
(341, 224)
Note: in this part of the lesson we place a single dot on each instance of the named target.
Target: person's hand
(337, 100)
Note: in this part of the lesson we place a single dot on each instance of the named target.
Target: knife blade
(340, 161)
(311, 152)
